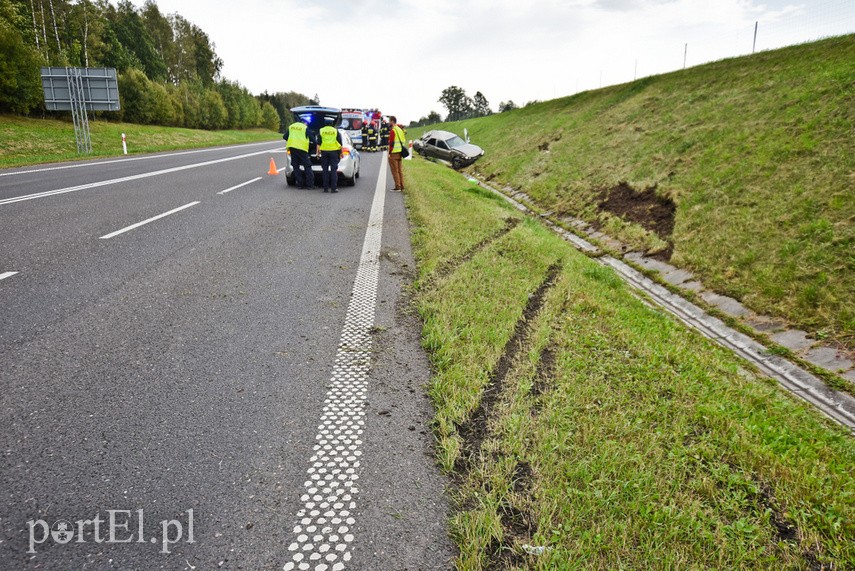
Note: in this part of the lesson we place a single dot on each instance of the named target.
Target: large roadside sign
(95, 87)
(80, 90)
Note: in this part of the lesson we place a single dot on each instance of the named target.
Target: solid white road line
(126, 178)
(323, 534)
(5, 275)
(240, 185)
(152, 219)
(133, 159)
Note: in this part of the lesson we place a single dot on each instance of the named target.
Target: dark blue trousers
(329, 169)
(302, 164)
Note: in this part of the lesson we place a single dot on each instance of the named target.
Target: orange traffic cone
(273, 170)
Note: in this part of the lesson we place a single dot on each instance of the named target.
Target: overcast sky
(398, 56)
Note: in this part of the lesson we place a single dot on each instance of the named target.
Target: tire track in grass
(516, 523)
(475, 430)
(448, 267)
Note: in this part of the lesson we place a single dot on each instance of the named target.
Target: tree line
(460, 106)
(168, 69)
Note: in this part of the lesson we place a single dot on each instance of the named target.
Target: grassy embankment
(25, 141)
(575, 418)
(757, 153)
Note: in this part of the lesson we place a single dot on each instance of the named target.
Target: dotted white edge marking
(322, 537)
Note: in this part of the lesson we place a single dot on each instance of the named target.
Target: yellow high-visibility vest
(400, 139)
(328, 139)
(297, 138)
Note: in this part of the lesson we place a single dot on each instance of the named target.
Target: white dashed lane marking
(240, 185)
(323, 534)
(147, 221)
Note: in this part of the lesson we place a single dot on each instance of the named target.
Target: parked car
(315, 117)
(447, 146)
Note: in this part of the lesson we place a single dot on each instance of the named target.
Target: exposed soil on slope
(650, 211)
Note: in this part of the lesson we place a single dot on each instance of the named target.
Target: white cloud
(399, 56)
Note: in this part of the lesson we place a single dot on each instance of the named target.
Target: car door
(430, 148)
(442, 150)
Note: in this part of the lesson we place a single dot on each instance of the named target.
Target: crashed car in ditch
(448, 147)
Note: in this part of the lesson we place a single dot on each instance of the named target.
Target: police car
(315, 117)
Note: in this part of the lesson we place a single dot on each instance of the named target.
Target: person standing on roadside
(397, 141)
(297, 144)
(330, 148)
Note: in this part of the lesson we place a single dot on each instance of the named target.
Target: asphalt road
(171, 372)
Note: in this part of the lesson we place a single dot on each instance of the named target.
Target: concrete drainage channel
(837, 405)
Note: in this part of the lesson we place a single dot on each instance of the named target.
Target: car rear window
(315, 120)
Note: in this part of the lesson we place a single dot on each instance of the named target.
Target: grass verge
(586, 430)
(754, 155)
(25, 141)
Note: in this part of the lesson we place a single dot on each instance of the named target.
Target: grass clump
(756, 153)
(612, 437)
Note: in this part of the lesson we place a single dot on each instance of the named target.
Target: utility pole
(754, 45)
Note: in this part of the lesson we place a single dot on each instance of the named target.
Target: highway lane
(182, 365)
(42, 178)
(45, 237)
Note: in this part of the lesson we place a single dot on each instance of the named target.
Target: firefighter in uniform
(330, 148)
(372, 136)
(298, 147)
(384, 134)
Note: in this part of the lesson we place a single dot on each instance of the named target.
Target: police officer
(298, 146)
(330, 148)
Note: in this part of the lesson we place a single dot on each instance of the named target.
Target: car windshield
(455, 142)
(351, 122)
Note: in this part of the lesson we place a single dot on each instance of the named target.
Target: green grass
(757, 153)
(619, 439)
(25, 141)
